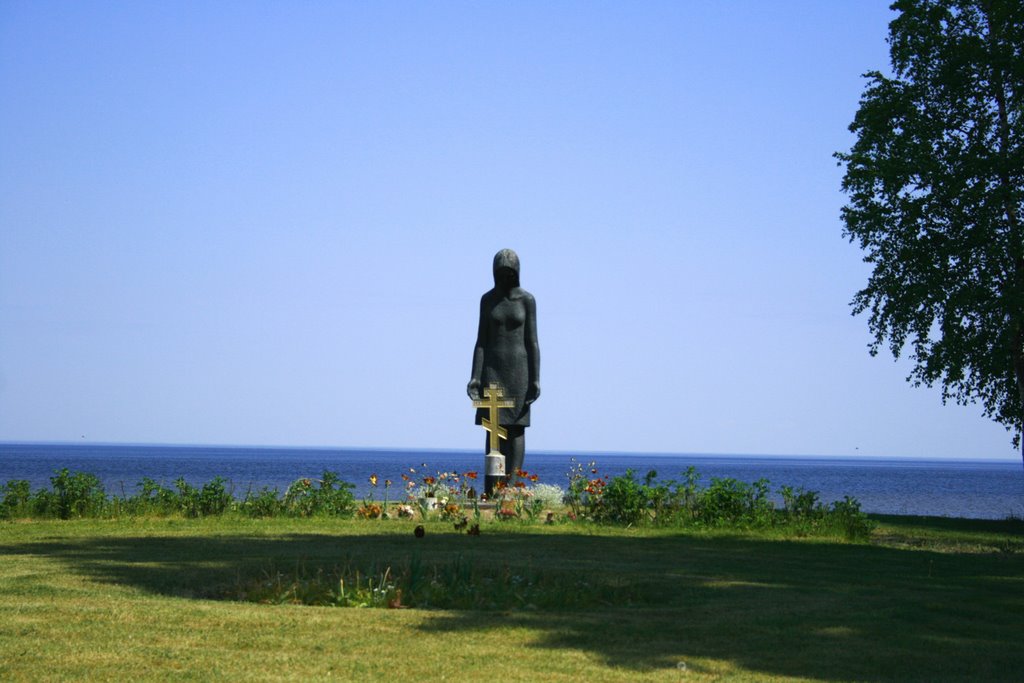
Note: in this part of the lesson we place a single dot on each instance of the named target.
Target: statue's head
(506, 269)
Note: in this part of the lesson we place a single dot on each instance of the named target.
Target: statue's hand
(533, 393)
(473, 389)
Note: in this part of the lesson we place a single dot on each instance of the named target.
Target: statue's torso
(506, 359)
(506, 345)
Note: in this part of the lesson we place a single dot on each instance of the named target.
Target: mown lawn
(926, 599)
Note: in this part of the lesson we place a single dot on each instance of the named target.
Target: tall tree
(935, 182)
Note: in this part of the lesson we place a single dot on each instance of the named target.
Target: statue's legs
(514, 448)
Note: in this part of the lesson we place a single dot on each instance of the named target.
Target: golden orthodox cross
(492, 402)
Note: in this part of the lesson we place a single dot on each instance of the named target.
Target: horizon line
(571, 453)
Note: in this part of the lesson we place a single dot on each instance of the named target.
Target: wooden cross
(490, 423)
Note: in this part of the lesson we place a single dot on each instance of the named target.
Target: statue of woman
(507, 354)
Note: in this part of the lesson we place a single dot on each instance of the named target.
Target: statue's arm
(532, 350)
(473, 388)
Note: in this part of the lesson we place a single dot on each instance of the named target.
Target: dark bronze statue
(507, 354)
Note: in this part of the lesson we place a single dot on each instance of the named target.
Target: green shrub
(16, 496)
(214, 498)
(73, 494)
(847, 515)
(188, 498)
(153, 499)
(211, 499)
(331, 497)
(801, 503)
(625, 500)
(262, 503)
(729, 501)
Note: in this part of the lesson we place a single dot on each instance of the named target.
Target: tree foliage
(935, 182)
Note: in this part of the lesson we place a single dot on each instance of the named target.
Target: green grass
(927, 599)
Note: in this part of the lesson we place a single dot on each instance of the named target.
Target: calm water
(983, 489)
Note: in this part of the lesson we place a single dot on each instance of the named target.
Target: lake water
(976, 488)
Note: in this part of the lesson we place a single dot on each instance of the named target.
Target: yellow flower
(373, 479)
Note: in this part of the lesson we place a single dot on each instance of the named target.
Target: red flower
(534, 477)
(428, 480)
(470, 475)
(522, 473)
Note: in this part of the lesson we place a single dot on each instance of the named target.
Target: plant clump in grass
(455, 583)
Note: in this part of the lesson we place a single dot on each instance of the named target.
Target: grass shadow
(828, 611)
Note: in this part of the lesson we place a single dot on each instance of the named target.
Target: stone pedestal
(494, 471)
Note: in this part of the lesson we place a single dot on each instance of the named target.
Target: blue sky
(271, 222)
